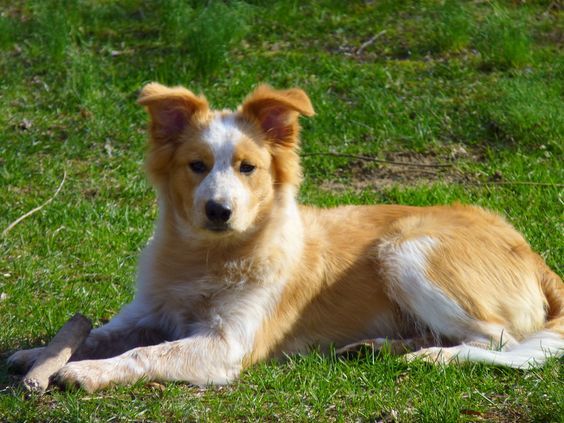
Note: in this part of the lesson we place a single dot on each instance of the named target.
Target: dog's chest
(203, 296)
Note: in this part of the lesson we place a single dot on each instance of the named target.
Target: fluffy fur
(237, 272)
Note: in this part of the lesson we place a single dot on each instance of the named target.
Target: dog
(238, 272)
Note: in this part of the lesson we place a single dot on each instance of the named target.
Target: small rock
(25, 124)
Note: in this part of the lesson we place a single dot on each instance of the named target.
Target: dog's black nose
(217, 213)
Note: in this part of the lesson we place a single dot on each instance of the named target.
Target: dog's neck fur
(251, 254)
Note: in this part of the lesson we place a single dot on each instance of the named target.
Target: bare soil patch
(400, 168)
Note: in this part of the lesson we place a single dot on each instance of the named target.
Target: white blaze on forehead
(222, 184)
(222, 135)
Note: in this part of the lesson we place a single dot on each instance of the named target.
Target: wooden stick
(29, 213)
(370, 41)
(57, 353)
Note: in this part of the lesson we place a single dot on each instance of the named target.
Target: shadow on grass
(10, 377)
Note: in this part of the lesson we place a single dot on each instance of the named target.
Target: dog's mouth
(218, 227)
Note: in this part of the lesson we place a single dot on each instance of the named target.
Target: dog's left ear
(277, 112)
(172, 110)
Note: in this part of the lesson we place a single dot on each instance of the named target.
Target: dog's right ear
(171, 110)
(277, 111)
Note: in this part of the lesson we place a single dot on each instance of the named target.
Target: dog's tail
(534, 350)
(553, 289)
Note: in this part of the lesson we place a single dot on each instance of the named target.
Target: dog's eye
(246, 168)
(198, 166)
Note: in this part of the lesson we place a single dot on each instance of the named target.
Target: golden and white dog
(237, 272)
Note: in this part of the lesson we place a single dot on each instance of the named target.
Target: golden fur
(453, 283)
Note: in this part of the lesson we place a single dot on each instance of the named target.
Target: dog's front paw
(21, 361)
(90, 375)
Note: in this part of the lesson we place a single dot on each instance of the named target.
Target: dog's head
(219, 171)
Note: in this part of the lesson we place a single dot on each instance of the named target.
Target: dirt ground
(402, 168)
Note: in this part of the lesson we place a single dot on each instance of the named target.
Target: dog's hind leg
(487, 302)
(393, 346)
(530, 353)
(443, 318)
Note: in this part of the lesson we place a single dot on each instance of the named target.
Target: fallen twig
(486, 398)
(29, 213)
(370, 42)
(57, 353)
(373, 159)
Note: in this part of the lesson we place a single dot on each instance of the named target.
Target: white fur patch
(406, 264)
(532, 352)
(221, 184)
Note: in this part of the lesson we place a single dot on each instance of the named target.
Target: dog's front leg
(117, 336)
(198, 360)
(134, 326)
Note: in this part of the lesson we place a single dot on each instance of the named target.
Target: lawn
(418, 102)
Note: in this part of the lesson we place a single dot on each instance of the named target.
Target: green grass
(451, 27)
(503, 41)
(473, 84)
